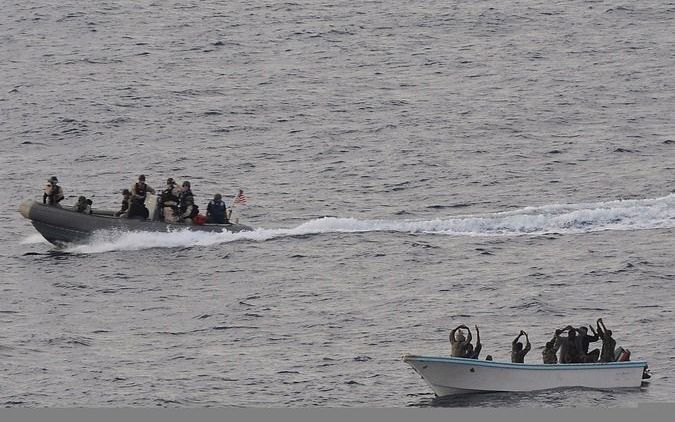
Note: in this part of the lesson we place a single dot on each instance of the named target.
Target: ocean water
(409, 166)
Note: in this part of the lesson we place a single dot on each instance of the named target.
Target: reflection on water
(561, 397)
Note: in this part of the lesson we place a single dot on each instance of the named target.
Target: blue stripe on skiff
(509, 365)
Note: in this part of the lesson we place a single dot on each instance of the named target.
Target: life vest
(216, 210)
(53, 195)
(140, 190)
(169, 194)
(184, 195)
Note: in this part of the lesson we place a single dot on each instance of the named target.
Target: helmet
(126, 192)
(141, 177)
(53, 179)
(169, 181)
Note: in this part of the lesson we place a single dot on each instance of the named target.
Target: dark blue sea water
(409, 166)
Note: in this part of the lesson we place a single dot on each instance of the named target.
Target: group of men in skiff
(572, 347)
(175, 202)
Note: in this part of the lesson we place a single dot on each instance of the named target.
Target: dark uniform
(53, 193)
(216, 212)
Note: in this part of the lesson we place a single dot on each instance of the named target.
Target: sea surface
(409, 166)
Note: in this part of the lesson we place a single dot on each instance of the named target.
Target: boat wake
(634, 214)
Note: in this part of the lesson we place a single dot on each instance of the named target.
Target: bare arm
(601, 333)
(452, 335)
(515, 340)
(477, 336)
(468, 336)
(527, 343)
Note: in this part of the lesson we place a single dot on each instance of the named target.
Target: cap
(169, 181)
(186, 183)
(141, 177)
(53, 179)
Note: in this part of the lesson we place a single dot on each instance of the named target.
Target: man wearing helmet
(53, 193)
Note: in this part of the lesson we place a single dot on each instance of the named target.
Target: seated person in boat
(126, 197)
(186, 192)
(190, 212)
(517, 351)
(83, 205)
(583, 344)
(169, 201)
(216, 212)
(459, 343)
(53, 193)
(608, 343)
(549, 354)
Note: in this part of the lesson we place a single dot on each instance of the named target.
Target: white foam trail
(637, 214)
(33, 239)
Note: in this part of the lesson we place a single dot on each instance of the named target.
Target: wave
(635, 214)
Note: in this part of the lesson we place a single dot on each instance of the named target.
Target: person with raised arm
(459, 343)
(475, 351)
(549, 354)
(608, 343)
(583, 344)
(517, 351)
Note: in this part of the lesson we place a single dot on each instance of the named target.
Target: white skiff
(449, 376)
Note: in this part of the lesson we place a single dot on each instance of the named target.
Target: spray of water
(638, 214)
(33, 239)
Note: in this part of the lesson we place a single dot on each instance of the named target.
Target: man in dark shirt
(583, 343)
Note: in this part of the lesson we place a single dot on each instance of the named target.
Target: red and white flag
(240, 198)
